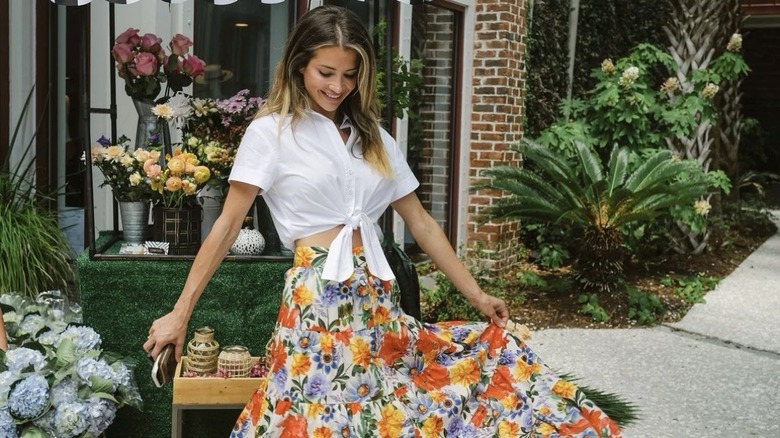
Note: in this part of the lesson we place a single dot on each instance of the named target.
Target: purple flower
(316, 387)
(104, 141)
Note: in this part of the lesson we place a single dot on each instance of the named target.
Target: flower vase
(211, 198)
(149, 124)
(135, 220)
(180, 227)
(203, 351)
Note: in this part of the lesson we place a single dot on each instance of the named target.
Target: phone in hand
(164, 366)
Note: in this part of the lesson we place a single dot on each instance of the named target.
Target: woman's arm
(3, 336)
(172, 327)
(433, 241)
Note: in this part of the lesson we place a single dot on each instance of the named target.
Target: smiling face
(329, 77)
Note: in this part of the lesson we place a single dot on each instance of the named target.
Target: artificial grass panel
(121, 298)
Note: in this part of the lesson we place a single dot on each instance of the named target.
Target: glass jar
(235, 361)
(203, 351)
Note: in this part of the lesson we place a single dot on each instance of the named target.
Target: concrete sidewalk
(715, 373)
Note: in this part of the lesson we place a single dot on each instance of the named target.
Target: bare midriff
(325, 238)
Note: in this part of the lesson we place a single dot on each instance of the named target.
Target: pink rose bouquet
(144, 64)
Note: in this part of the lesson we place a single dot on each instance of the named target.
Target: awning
(216, 2)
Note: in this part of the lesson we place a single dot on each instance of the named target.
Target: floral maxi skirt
(346, 361)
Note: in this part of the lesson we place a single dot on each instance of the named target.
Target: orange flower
(354, 407)
(479, 416)
(433, 376)
(495, 337)
(300, 364)
(294, 426)
(523, 371)
(394, 346)
(379, 316)
(282, 406)
(303, 256)
(344, 336)
(500, 384)
(258, 405)
(322, 432)
(433, 427)
(361, 355)
(391, 422)
(277, 351)
(429, 342)
(600, 421)
(465, 372)
(288, 316)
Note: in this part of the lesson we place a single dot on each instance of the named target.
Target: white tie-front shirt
(312, 182)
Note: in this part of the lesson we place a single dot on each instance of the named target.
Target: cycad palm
(593, 200)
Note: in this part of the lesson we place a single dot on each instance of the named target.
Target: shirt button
(349, 171)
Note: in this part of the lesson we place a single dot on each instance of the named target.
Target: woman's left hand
(494, 308)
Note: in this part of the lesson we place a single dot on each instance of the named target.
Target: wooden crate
(212, 390)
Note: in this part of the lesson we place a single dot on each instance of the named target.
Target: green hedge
(120, 299)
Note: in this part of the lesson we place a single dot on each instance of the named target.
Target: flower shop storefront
(171, 124)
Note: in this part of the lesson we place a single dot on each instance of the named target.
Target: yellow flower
(508, 429)
(314, 409)
(710, 90)
(465, 372)
(127, 160)
(326, 343)
(510, 401)
(361, 355)
(201, 174)
(302, 295)
(193, 142)
(135, 179)
(391, 422)
(671, 85)
(300, 364)
(523, 371)
(433, 426)
(564, 388)
(177, 165)
(114, 152)
(154, 155)
(173, 184)
(141, 155)
(188, 187)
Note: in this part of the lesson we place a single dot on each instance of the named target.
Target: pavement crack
(719, 342)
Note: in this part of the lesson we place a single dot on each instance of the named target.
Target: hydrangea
(122, 375)
(88, 367)
(64, 391)
(70, 419)
(29, 398)
(7, 426)
(32, 324)
(19, 359)
(6, 379)
(83, 338)
(100, 413)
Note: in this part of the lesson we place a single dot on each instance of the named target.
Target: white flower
(180, 110)
(702, 207)
(710, 90)
(163, 110)
(32, 324)
(629, 76)
(671, 85)
(20, 359)
(735, 43)
(607, 66)
(135, 179)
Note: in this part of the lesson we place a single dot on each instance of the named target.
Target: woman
(3, 336)
(345, 359)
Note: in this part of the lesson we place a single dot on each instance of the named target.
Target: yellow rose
(201, 174)
(154, 155)
(135, 179)
(141, 155)
(189, 187)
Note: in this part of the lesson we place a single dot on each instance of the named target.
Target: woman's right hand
(169, 329)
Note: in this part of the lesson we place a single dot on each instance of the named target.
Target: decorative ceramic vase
(211, 198)
(180, 227)
(235, 361)
(203, 351)
(135, 220)
(249, 241)
(149, 124)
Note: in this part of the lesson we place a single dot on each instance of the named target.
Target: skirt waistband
(315, 256)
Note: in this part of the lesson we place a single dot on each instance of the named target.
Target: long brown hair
(331, 26)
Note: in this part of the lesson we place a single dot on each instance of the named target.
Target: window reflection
(240, 43)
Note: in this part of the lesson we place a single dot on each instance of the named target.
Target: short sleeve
(405, 180)
(258, 155)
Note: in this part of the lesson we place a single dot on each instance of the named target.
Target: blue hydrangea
(122, 375)
(70, 419)
(29, 398)
(64, 391)
(32, 324)
(7, 426)
(52, 336)
(83, 338)
(6, 379)
(101, 414)
(88, 367)
(21, 358)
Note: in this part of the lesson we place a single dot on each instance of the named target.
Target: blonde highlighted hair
(331, 26)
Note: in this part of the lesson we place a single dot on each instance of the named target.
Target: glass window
(240, 44)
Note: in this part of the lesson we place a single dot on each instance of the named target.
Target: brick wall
(497, 117)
